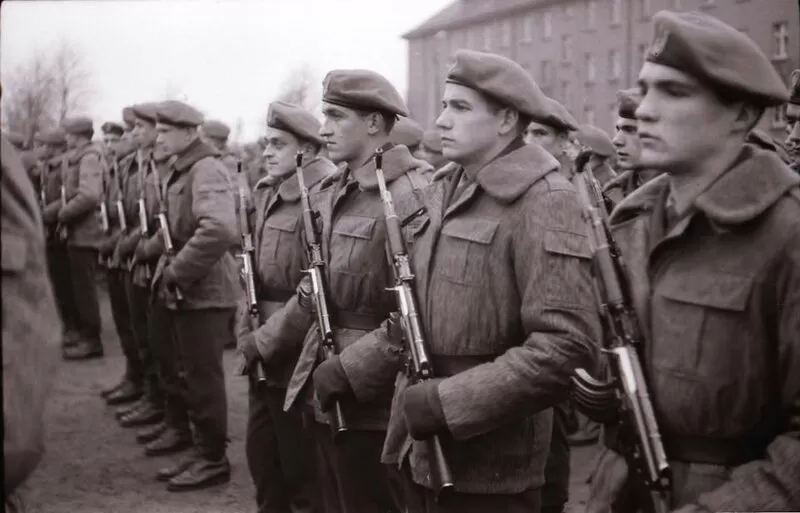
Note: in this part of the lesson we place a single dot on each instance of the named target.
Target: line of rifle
(420, 368)
(105, 222)
(62, 230)
(42, 182)
(118, 204)
(163, 224)
(248, 268)
(623, 402)
(316, 270)
(141, 208)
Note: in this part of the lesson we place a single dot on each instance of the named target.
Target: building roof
(467, 12)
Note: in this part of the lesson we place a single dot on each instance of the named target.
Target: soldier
(129, 119)
(713, 251)
(216, 133)
(793, 121)
(198, 285)
(430, 150)
(552, 133)
(83, 178)
(599, 143)
(627, 148)
(408, 133)
(17, 140)
(31, 327)
(278, 446)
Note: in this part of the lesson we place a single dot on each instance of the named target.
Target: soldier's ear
(748, 118)
(509, 119)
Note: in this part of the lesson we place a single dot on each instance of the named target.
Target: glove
(170, 280)
(106, 247)
(305, 292)
(330, 382)
(248, 348)
(422, 409)
(139, 252)
(607, 483)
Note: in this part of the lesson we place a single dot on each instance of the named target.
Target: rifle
(248, 264)
(420, 368)
(118, 204)
(316, 269)
(625, 400)
(61, 230)
(141, 209)
(105, 223)
(163, 224)
(42, 184)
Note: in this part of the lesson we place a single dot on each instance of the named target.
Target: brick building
(581, 51)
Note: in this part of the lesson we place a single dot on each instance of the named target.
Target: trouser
(138, 300)
(82, 265)
(167, 362)
(201, 336)
(61, 278)
(420, 499)
(279, 449)
(351, 476)
(120, 312)
(555, 491)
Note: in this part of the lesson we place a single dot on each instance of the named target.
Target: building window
(566, 48)
(642, 58)
(505, 31)
(645, 8)
(590, 70)
(778, 117)
(708, 3)
(569, 11)
(487, 36)
(591, 14)
(528, 27)
(548, 25)
(546, 72)
(677, 5)
(780, 37)
(588, 115)
(614, 65)
(565, 93)
(616, 12)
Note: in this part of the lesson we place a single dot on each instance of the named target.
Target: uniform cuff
(423, 410)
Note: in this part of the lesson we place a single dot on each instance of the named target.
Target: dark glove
(394, 329)
(139, 252)
(304, 293)
(422, 409)
(248, 348)
(330, 382)
(106, 247)
(170, 280)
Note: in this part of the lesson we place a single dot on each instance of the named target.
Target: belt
(445, 366)
(355, 320)
(274, 295)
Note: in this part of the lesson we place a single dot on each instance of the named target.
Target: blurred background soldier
(408, 133)
(16, 140)
(552, 133)
(430, 150)
(597, 140)
(793, 121)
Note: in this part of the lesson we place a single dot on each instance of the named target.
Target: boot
(150, 414)
(128, 408)
(127, 392)
(108, 391)
(202, 473)
(150, 433)
(170, 442)
(166, 473)
(70, 338)
(83, 350)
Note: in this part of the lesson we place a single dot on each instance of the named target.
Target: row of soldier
(706, 219)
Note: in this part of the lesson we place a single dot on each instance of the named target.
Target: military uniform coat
(83, 178)
(52, 194)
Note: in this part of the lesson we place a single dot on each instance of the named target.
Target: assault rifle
(105, 222)
(316, 269)
(248, 266)
(163, 224)
(118, 204)
(624, 401)
(42, 183)
(141, 207)
(61, 230)
(420, 368)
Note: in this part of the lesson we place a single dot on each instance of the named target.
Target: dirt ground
(93, 465)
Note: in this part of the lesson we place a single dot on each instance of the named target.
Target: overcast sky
(229, 58)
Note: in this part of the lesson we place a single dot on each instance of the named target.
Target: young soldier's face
(173, 139)
(626, 144)
(469, 127)
(345, 132)
(281, 152)
(793, 130)
(143, 133)
(681, 122)
(544, 136)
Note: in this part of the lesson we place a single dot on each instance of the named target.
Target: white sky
(228, 58)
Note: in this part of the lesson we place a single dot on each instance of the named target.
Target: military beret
(432, 140)
(15, 138)
(77, 125)
(173, 112)
(406, 132)
(559, 117)
(362, 89)
(628, 101)
(716, 53)
(501, 79)
(596, 139)
(112, 127)
(128, 116)
(146, 111)
(216, 129)
(54, 137)
(794, 92)
(294, 119)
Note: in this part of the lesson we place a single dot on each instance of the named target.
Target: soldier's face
(469, 125)
(110, 141)
(280, 153)
(544, 136)
(793, 130)
(681, 123)
(626, 144)
(172, 139)
(345, 132)
(72, 140)
(143, 133)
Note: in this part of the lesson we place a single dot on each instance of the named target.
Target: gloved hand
(330, 382)
(304, 294)
(170, 280)
(139, 252)
(422, 409)
(607, 483)
(248, 348)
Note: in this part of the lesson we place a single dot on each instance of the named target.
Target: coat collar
(196, 151)
(313, 172)
(755, 183)
(397, 161)
(510, 176)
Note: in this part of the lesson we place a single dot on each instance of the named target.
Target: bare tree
(72, 80)
(301, 88)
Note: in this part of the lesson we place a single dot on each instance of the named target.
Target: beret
(294, 119)
(112, 127)
(559, 117)
(628, 101)
(54, 136)
(794, 92)
(596, 139)
(501, 79)
(15, 138)
(216, 129)
(406, 132)
(176, 113)
(77, 125)
(146, 111)
(432, 140)
(716, 53)
(128, 116)
(362, 89)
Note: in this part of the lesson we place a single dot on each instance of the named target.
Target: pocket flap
(472, 229)
(355, 226)
(713, 289)
(283, 223)
(14, 251)
(566, 243)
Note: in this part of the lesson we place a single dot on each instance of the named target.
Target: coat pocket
(351, 237)
(463, 254)
(280, 237)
